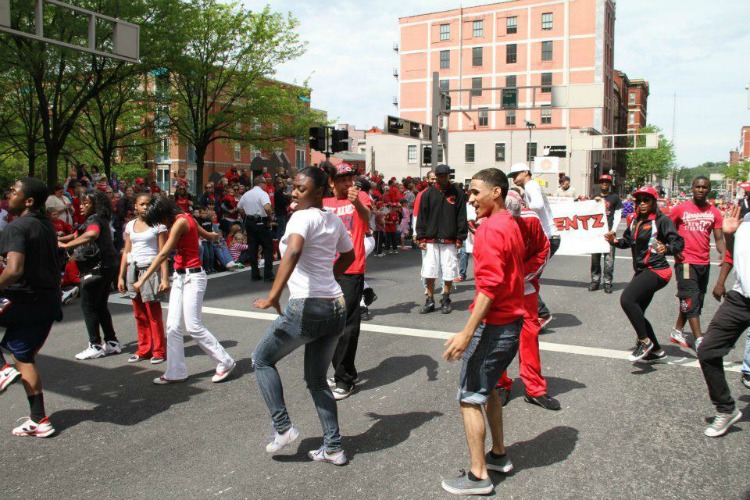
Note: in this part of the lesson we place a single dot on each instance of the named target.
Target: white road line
(435, 334)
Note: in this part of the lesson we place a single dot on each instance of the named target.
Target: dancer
(142, 245)
(314, 317)
(188, 287)
(650, 235)
(30, 289)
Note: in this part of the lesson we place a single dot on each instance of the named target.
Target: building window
(547, 21)
(478, 29)
(476, 56)
(411, 153)
(162, 178)
(499, 151)
(445, 31)
(469, 153)
(484, 117)
(631, 98)
(162, 151)
(191, 157)
(631, 117)
(300, 159)
(547, 50)
(510, 81)
(445, 59)
(530, 151)
(511, 53)
(511, 25)
(476, 86)
(237, 151)
(546, 83)
(510, 117)
(444, 85)
(546, 116)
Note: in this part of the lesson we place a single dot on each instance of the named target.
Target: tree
(739, 172)
(20, 122)
(219, 85)
(645, 164)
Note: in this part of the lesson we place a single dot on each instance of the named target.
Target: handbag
(88, 257)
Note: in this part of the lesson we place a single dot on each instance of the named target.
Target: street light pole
(531, 126)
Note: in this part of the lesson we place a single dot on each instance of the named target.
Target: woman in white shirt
(142, 244)
(314, 316)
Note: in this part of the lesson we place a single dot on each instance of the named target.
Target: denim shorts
(491, 350)
(28, 323)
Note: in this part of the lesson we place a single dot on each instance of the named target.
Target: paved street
(625, 431)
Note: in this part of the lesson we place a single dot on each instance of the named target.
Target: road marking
(435, 334)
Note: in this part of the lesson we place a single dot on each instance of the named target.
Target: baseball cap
(344, 169)
(518, 168)
(442, 169)
(605, 177)
(647, 190)
(140, 180)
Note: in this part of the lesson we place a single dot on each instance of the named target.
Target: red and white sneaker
(220, 376)
(8, 375)
(42, 429)
(544, 321)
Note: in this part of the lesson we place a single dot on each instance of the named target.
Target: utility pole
(436, 100)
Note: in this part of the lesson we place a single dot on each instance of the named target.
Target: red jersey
(394, 195)
(62, 228)
(499, 269)
(188, 251)
(416, 202)
(391, 221)
(355, 226)
(695, 224)
(536, 251)
(184, 203)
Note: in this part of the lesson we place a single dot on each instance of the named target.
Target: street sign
(510, 98)
(557, 151)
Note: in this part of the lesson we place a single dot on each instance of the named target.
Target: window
(547, 21)
(476, 86)
(162, 151)
(547, 50)
(500, 151)
(546, 116)
(546, 83)
(299, 159)
(445, 85)
(476, 56)
(631, 117)
(510, 117)
(631, 98)
(469, 153)
(478, 29)
(237, 151)
(530, 151)
(484, 117)
(445, 59)
(445, 31)
(511, 25)
(162, 178)
(510, 81)
(511, 53)
(411, 153)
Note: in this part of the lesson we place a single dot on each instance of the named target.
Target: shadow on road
(387, 432)
(401, 308)
(562, 320)
(555, 387)
(395, 368)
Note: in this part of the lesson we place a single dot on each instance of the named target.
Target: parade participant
(353, 207)
(314, 316)
(744, 202)
(188, 287)
(441, 231)
(695, 220)
(96, 259)
(281, 202)
(30, 290)
(489, 341)
(613, 211)
(651, 236)
(255, 205)
(391, 229)
(536, 252)
(728, 324)
(537, 201)
(405, 225)
(464, 253)
(142, 244)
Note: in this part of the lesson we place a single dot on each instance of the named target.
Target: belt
(189, 270)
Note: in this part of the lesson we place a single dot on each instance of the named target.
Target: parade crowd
(312, 233)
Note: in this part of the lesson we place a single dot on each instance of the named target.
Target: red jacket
(536, 251)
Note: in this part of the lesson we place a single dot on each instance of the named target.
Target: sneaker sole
(681, 344)
(339, 397)
(497, 468)
(336, 462)
(216, 378)
(486, 490)
(99, 355)
(8, 381)
(736, 419)
(44, 434)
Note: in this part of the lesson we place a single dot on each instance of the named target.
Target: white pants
(440, 260)
(185, 307)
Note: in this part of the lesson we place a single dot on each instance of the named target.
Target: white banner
(582, 226)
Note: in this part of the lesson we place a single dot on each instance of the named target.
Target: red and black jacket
(442, 216)
(640, 235)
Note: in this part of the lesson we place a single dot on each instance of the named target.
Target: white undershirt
(144, 244)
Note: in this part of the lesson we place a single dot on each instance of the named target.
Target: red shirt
(416, 202)
(356, 227)
(391, 221)
(537, 249)
(695, 224)
(394, 195)
(184, 203)
(62, 228)
(188, 251)
(498, 267)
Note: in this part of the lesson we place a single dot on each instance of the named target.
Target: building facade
(638, 91)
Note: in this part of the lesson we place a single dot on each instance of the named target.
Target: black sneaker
(369, 295)
(655, 356)
(607, 288)
(504, 395)
(445, 304)
(594, 286)
(641, 351)
(364, 314)
(428, 307)
(746, 380)
(544, 401)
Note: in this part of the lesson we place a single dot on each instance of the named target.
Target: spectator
(565, 190)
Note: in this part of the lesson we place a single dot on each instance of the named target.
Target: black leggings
(94, 297)
(636, 298)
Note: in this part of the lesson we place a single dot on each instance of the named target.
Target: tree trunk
(52, 158)
(199, 162)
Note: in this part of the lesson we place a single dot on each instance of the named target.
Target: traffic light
(445, 103)
(340, 141)
(427, 155)
(452, 175)
(318, 139)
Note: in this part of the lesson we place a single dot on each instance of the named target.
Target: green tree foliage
(645, 164)
(739, 172)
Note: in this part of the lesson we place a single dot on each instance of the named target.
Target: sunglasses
(643, 199)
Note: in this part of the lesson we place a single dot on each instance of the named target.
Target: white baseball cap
(518, 167)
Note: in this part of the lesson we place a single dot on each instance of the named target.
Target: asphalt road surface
(625, 431)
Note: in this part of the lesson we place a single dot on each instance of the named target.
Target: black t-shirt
(206, 224)
(612, 204)
(34, 236)
(107, 252)
(281, 202)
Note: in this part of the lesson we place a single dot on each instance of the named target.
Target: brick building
(638, 92)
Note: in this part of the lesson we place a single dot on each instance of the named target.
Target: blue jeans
(746, 363)
(222, 253)
(317, 324)
(463, 262)
(208, 255)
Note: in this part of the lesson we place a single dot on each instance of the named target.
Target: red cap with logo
(605, 177)
(344, 169)
(647, 190)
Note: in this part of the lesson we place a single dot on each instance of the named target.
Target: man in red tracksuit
(534, 259)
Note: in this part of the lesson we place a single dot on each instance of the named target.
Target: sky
(691, 54)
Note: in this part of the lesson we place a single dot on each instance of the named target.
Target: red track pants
(528, 352)
(150, 327)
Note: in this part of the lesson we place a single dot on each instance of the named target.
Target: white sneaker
(697, 343)
(721, 423)
(112, 347)
(219, 376)
(281, 440)
(231, 265)
(68, 296)
(94, 351)
(8, 375)
(42, 429)
(679, 338)
(321, 455)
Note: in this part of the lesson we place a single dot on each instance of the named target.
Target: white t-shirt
(145, 244)
(253, 201)
(537, 201)
(741, 257)
(325, 236)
